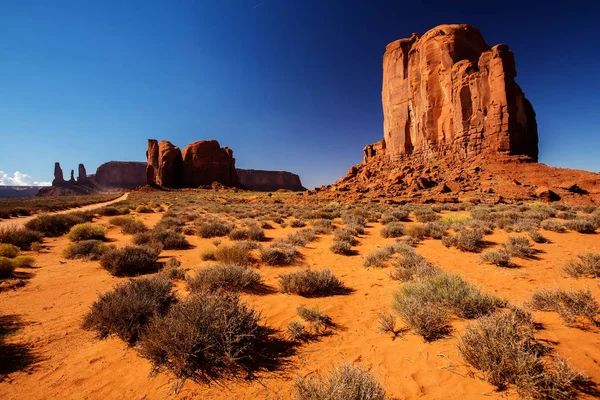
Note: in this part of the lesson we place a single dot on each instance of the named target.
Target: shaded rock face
(58, 175)
(72, 180)
(448, 93)
(121, 174)
(269, 180)
(81, 173)
(201, 163)
(205, 162)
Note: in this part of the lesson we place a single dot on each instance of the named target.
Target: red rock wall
(448, 93)
(121, 174)
(205, 162)
(269, 180)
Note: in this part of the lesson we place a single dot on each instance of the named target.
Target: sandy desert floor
(70, 363)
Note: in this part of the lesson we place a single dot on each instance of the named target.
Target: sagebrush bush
(582, 225)
(208, 254)
(588, 265)
(417, 231)
(7, 267)
(554, 226)
(87, 231)
(537, 237)
(518, 246)
(109, 211)
(344, 382)
(464, 240)
(301, 237)
(436, 230)
(229, 277)
(309, 283)
(85, 249)
(142, 209)
(213, 227)
(296, 332)
(161, 238)
(237, 253)
(54, 224)
(173, 270)
(392, 230)
(297, 223)
(205, 336)
(129, 260)
(20, 237)
(570, 305)
(322, 226)
(23, 261)
(341, 247)
(8, 250)
(127, 310)
(501, 258)
(279, 254)
(377, 258)
(129, 225)
(317, 318)
(503, 347)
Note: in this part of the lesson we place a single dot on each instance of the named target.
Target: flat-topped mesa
(201, 163)
(268, 181)
(448, 93)
(121, 174)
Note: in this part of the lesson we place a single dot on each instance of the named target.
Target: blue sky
(287, 84)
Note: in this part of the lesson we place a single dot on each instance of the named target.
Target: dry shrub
(345, 235)
(322, 226)
(205, 336)
(230, 277)
(417, 231)
(297, 332)
(344, 382)
(142, 209)
(518, 246)
(309, 283)
(20, 237)
(237, 253)
(8, 250)
(129, 225)
(129, 307)
(570, 305)
(317, 319)
(253, 232)
(588, 266)
(377, 258)
(301, 237)
(501, 258)
(297, 223)
(23, 261)
(87, 231)
(173, 270)
(398, 215)
(213, 227)
(279, 254)
(341, 247)
(54, 224)
(387, 323)
(554, 226)
(208, 254)
(161, 238)
(464, 240)
(408, 240)
(86, 250)
(436, 230)
(582, 225)
(411, 265)
(392, 230)
(109, 211)
(503, 347)
(7, 267)
(129, 260)
(537, 237)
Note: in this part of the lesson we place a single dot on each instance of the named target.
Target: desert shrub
(387, 323)
(317, 318)
(344, 234)
(418, 231)
(142, 209)
(230, 277)
(86, 216)
(54, 224)
(301, 237)
(378, 257)
(129, 225)
(322, 226)
(554, 226)
(392, 230)
(497, 257)
(297, 223)
(266, 225)
(8, 250)
(109, 211)
(127, 310)
(341, 247)
(464, 240)
(23, 261)
(170, 223)
(503, 347)
(213, 227)
(297, 332)
(452, 219)
(208, 254)
(425, 317)
(518, 246)
(436, 230)
(398, 215)
(355, 229)
(570, 305)
(251, 233)
(165, 239)
(279, 254)
(87, 231)
(238, 253)
(309, 283)
(37, 247)
(20, 237)
(588, 265)
(129, 260)
(537, 237)
(85, 249)
(485, 227)
(173, 270)
(6, 267)
(426, 215)
(582, 225)
(343, 382)
(205, 336)
(566, 215)
(238, 234)
(411, 265)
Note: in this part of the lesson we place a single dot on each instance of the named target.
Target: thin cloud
(260, 4)
(19, 179)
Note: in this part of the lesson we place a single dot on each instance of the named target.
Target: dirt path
(21, 221)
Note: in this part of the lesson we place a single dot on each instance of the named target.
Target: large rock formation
(269, 180)
(121, 174)
(201, 163)
(448, 93)
(82, 174)
(58, 175)
(205, 162)
(60, 187)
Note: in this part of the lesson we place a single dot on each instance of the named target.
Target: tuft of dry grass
(588, 266)
(501, 258)
(309, 283)
(222, 276)
(464, 240)
(570, 305)
(85, 250)
(87, 231)
(279, 253)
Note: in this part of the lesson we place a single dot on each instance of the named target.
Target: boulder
(544, 193)
(448, 93)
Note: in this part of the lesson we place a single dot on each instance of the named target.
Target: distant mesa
(268, 181)
(121, 174)
(456, 127)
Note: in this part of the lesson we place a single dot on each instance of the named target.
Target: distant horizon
(287, 86)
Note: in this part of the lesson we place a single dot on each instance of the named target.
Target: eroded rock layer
(269, 180)
(121, 174)
(448, 93)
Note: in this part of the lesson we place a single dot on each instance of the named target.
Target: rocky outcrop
(267, 181)
(205, 162)
(121, 174)
(82, 174)
(201, 163)
(447, 93)
(58, 175)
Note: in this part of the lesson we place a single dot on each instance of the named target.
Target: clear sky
(288, 84)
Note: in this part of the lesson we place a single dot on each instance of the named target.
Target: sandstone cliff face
(202, 163)
(121, 174)
(448, 93)
(269, 180)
